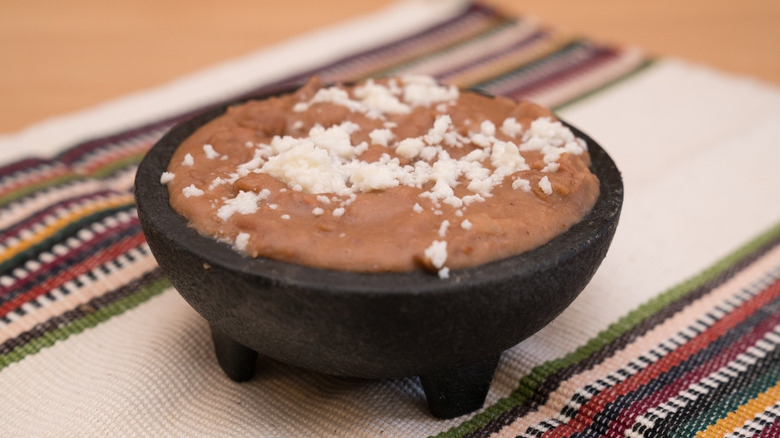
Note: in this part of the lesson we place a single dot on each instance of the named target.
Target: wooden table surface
(61, 56)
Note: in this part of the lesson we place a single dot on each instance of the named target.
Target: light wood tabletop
(60, 57)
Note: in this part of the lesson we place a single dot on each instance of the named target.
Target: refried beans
(391, 174)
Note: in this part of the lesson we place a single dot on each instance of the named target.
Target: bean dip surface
(392, 174)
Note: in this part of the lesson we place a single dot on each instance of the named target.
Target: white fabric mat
(699, 152)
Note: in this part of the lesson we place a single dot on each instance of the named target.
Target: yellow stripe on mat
(745, 413)
(64, 221)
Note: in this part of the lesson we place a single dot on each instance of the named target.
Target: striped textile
(700, 359)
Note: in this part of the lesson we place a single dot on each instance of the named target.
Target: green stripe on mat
(529, 383)
(45, 184)
(113, 166)
(84, 323)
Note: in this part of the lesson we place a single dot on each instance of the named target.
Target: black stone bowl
(450, 332)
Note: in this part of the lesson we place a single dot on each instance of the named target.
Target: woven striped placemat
(700, 358)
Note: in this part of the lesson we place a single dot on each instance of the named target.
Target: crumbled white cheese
(468, 200)
(329, 95)
(551, 167)
(335, 139)
(273, 206)
(546, 132)
(210, 152)
(318, 211)
(429, 153)
(511, 127)
(392, 85)
(188, 160)
(285, 216)
(417, 208)
(253, 164)
(282, 144)
(437, 253)
(487, 128)
(323, 199)
(218, 181)
(545, 185)
(243, 203)
(375, 176)
(481, 186)
(191, 190)
(452, 138)
(506, 158)
(381, 137)
(241, 241)
(440, 127)
(338, 212)
(444, 273)
(453, 201)
(425, 91)
(308, 167)
(166, 177)
(443, 228)
(409, 147)
(521, 184)
(380, 98)
(466, 225)
(476, 155)
(576, 147)
(480, 139)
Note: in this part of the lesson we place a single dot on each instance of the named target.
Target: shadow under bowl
(450, 332)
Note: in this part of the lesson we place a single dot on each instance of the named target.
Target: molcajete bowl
(450, 332)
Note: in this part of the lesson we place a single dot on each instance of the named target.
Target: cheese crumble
(166, 177)
(241, 241)
(545, 185)
(437, 253)
(243, 203)
(191, 191)
(210, 152)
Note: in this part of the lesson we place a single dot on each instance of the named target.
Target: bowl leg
(458, 391)
(236, 360)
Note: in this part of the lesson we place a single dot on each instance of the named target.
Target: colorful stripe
(699, 360)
